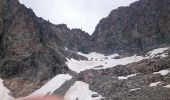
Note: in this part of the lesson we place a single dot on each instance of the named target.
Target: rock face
(33, 50)
(143, 25)
(78, 40)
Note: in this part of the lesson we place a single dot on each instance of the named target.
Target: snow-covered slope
(48, 88)
(158, 52)
(80, 91)
(51, 86)
(100, 61)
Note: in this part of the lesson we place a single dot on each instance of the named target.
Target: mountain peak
(142, 25)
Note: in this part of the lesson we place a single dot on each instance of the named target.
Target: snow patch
(65, 48)
(4, 92)
(97, 59)
(162, 72)
(155, 84)
(94, 56)
(51, 86)
(80, 91)
(82, 65)
(167, 86)
(156, 52)
(135, 89)
(125, 78)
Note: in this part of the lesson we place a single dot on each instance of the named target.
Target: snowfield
(100, 61)
(51, 86)
(80, 90)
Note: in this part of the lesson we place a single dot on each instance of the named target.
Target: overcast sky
(84, 14)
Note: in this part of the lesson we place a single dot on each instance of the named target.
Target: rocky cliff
(33, 50)
(143, 25)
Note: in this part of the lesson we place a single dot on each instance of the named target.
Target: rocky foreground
(147, 79)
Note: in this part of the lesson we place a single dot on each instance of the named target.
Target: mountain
(33, 51)
(147, 79)
(141, 26)
(31, 46)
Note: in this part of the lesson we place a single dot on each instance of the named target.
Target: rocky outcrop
(31, 48)
(78, 40)
(106, 82)
(143, 25)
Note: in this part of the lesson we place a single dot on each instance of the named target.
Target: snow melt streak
(126, 77)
